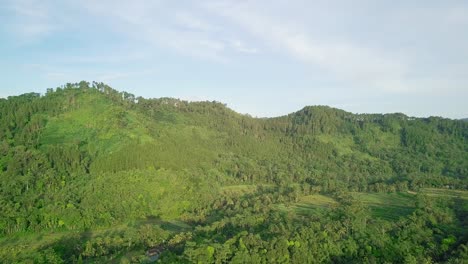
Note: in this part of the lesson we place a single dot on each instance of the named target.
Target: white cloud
(56, 76)
(160, 25)
(189, 21)
(363, 66)
(457, 16)
(63, 75)
(112, 76)
(108, 57)
(241, 47)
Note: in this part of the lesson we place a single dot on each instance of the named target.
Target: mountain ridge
(104, 116)
(175, 100)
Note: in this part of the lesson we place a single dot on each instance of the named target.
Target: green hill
(87, 157)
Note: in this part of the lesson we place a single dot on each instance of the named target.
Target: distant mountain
(464, 119)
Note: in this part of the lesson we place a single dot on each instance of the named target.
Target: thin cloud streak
(32, 20)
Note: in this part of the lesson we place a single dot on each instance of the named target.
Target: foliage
(85, 157)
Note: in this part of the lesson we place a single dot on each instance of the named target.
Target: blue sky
(265, 58)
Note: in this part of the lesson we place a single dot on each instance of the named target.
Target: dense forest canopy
(106, 174)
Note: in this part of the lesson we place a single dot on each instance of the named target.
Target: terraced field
(387, 206)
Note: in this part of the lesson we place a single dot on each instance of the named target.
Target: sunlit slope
(117, 131)
(63, 150)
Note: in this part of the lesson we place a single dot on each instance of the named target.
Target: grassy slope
(98, 121)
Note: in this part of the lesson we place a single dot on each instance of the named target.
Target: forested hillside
(91, 175)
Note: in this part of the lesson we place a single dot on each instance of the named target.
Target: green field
(445, 193)
(387, 206)
(239, 190)
(382, 205)
(310, 205)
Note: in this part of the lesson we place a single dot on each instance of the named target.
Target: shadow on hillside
(70, 246)
(171, 226)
